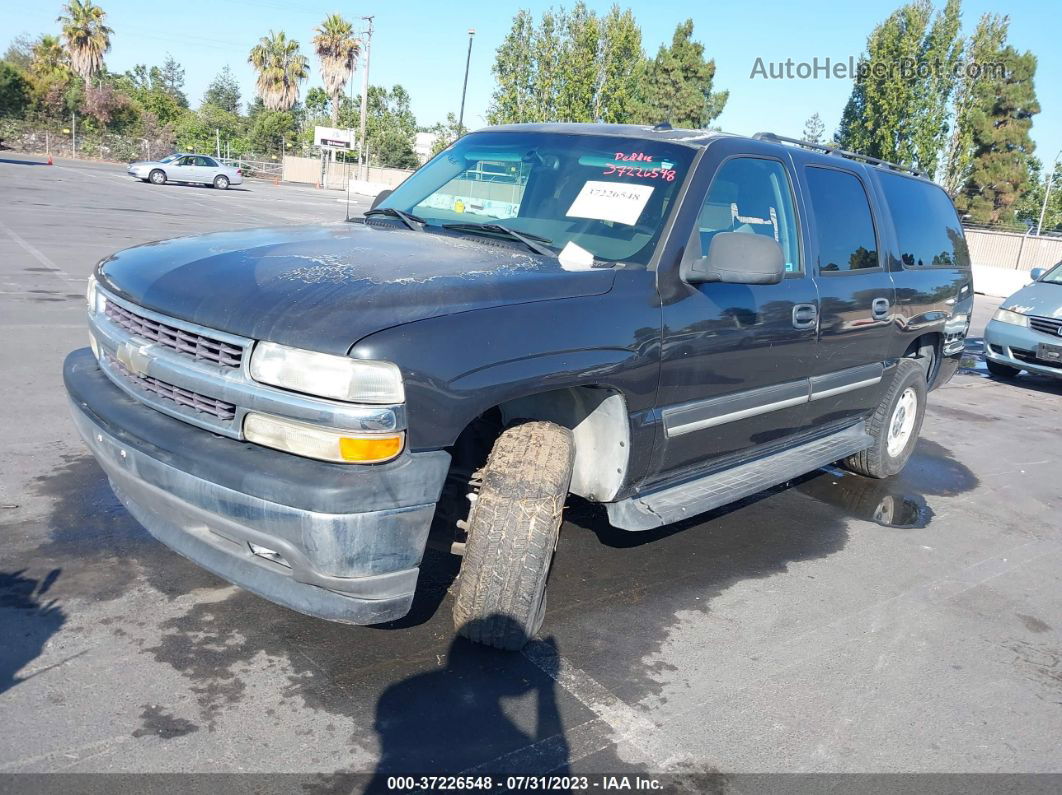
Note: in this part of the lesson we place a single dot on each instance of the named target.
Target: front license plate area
(1052, 354)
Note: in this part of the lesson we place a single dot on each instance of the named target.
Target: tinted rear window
(927, 225)
(843, 223)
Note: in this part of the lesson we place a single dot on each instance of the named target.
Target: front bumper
(1015, 346)
(350, 537)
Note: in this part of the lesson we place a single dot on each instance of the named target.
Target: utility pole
(363, 167)
(468, 61)
(1047, 190)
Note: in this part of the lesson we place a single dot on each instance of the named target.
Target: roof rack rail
(833, 150)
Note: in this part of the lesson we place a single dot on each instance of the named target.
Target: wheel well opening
(597, 417)
(926, 351)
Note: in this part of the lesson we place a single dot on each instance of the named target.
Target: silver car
(1026, 331)
(186, 168)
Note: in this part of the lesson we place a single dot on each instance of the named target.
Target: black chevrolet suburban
(659, 320)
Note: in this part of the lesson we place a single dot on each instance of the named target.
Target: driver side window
(753, 196)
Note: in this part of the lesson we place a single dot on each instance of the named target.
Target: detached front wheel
(513, 528)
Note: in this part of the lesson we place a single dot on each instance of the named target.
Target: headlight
(326, 375)
(325, 444)
(95, 299)
(1013, 318)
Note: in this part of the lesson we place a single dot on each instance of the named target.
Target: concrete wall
(308, 170)
(1002, 260)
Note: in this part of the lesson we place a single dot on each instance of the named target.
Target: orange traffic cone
(50, 163)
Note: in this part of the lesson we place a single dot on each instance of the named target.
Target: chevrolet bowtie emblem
(133, 358)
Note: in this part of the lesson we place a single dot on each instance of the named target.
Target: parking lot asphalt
(838, 624)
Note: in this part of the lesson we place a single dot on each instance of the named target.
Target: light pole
(363, 160)
(468, 61)
(1047, 190)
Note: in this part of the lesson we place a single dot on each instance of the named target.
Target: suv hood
(1037, 298)
(324, 287)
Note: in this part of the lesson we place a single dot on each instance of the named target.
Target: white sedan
(186, 168)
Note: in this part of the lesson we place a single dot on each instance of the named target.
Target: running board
(646, 511)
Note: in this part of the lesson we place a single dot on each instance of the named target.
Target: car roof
(701, 138)
(662, 133)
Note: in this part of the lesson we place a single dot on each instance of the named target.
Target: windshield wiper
(414, 222)
(532, 241)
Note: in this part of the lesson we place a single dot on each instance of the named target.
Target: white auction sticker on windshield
(611, 201)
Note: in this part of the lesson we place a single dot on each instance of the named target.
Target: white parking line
(39, 255)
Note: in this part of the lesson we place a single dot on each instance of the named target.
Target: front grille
(1030, 357)
(198, 346)
(1046, 325)
(182, 397)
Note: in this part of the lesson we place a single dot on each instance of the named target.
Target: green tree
(390, 128)
(899, 106)
(281, 69)
(169, 79)
(982, 47)
(317, 102)
(445, 133)
(578, 66)
(223, 92)
(621, 67)
(514, 73)
(814, 129)
(337, 49)
(1028, 207)
(678, 84)
(19, 52)
(14, 91)
(86, 36)
(272, 131)
(1000, 120)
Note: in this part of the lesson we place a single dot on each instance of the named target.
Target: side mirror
(1036, 273)
(739, 258)
(380, 197)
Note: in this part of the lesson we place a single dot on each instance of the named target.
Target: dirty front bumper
(340, 542)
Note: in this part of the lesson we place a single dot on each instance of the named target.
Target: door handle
(805, 316)
(879, 307)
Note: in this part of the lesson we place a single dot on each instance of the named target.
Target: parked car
(1026, 331)
(186, 168)
(662, 321)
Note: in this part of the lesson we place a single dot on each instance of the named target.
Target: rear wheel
(513, 528)
(1000, 370)
(221, 182)
(157, 177)
(895, 424)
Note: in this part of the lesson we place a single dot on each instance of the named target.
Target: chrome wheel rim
(901, 424)
(222, 182)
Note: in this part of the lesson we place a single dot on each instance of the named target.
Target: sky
(422, 45)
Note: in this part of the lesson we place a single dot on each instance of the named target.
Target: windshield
(608, 195)
(169, 158)
(1054, 276)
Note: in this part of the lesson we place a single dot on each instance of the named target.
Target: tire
(513, 528)
(157, 177)
(221, 182)
(1000, 370)
(894, 425)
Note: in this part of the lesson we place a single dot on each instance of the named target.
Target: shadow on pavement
(26, 622)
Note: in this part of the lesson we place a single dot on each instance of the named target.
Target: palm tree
(338, 49)
(48, 55)
(280, 70)
(87, 38)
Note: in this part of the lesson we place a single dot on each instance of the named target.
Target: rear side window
(843, 224)
(927, 225)
(751, 195)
